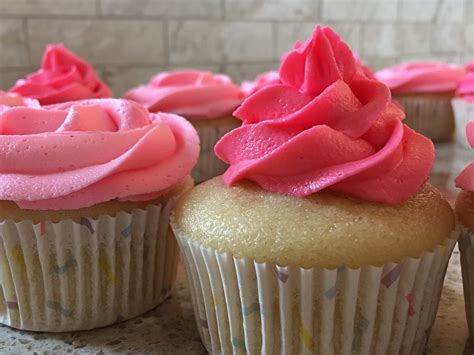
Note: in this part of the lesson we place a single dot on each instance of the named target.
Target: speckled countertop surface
(170, 328)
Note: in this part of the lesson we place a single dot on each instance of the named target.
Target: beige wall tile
(163, 8)
(48, 7)
(101, 41)
(8, 78)
(351, 10)
(380, 40)
(13, 47)
(240, 72)
(448, 39)
(272, 10)
(414, 39)
(220, 41)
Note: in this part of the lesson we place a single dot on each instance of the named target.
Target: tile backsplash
(129, 40)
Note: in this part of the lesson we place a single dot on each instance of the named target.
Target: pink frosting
(63, 77)
(81, 153)
(421, 77)
(465, 180)
(10, 100)
(264, 79)
(363, 68)
(191, 93)
(466, 87)
(327, 126)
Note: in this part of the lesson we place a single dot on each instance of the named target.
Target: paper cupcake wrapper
(88, 273)
(209, 165)
(242, 306)
(430, 116)
(466, 249)
(463, 113)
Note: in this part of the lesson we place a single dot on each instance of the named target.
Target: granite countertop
(170, 328)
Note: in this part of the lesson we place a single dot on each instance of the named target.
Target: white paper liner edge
(244, 306)
(84, 274)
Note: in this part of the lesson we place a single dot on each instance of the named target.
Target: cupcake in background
(425, 90)
(63, 77)
(205, 99)
(463, 105)
(11, 100)
(465, 212)
(86, 189)
(262, 80)
(323, 236)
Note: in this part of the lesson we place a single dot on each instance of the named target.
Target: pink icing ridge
(63, 77)
(327, 126)
(465, 180)
(264, 79)
(466, 87)
(191, 93)
(421, 77)
(81, 153)
(10, 100)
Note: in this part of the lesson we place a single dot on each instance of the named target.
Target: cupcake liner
(209, 165)
(86, 273)
(466, 249)
(463, 113)
(242, 306)
(431, 116)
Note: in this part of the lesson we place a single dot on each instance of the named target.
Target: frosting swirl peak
(81, 153)
(63, 77)
(326, 126)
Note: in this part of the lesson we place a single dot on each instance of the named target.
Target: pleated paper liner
(209, 165)
(242, 306)
(463, 113)
(88, 273)
(466, 249)
(431, 116)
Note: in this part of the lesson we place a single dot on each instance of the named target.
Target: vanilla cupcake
(63, 77)
(323, 236)
(86, 189)
(465, 213)
(463, 105)
(205, 99)
(425, 90)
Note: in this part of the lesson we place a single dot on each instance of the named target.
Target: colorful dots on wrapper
(305, 335)
(42, 228)
(69, 264)
(330, 293)
(127, 231)
(56, 306)
(282, 276)
(17, 255)
(13, 305)
(411, 300)
(392, 276)
(86, 223)
(249, 310)
(107, 270)
(361, 326)
(203, 323)
(238, 343)
(465, 240)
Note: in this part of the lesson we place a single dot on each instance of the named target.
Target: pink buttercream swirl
(421, 77)
(63, 77)
(264, 79)
(191, 93)
(81, 153)
(465, 180)
(327, 126)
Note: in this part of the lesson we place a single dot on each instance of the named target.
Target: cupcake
(205, 99)
(63, 77)
(322, 236)
(463, 105)
(425, 90)
(465, 212)
(262, 80)
(11, 100)
(86, 189)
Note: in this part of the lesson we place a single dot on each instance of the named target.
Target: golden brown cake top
(465, 208)
(324, 229)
